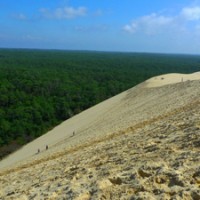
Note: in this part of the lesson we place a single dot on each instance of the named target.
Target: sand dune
(78, 124)
(141, 144)
(171, 79)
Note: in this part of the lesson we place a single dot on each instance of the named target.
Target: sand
(64, 131)
(167, 79)
(141, 144)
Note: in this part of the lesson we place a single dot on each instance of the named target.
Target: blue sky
(171, 26)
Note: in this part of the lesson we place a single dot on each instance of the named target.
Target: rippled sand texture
(144, 145)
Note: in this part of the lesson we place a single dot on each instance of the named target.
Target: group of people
(46, 148)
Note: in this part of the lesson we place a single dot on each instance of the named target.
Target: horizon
(171, 27)
(98, 51)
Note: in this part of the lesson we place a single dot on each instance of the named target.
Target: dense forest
(41, 88)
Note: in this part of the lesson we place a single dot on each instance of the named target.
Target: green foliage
(39, 89)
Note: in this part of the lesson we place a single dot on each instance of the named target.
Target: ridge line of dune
(127, 130)
(171, 78)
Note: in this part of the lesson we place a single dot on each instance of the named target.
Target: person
(74, 133)
(47, 147)
(38, 150)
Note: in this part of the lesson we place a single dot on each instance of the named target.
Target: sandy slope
(141, 144)
(171, 79)
(64, 131)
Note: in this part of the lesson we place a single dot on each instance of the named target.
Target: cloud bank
(148, 24)
(191, 13)
(156, 23)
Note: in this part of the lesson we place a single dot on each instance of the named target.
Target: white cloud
(155, 20)
(131, 28)
(64, 13)
(191, 13)
(186, 21)
(148, 24)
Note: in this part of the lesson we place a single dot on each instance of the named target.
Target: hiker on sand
(47, 147)
(38, 150)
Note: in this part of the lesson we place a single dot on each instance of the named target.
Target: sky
(168, 26)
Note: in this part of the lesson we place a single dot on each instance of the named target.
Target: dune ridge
(168, 79)
(141, 144)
